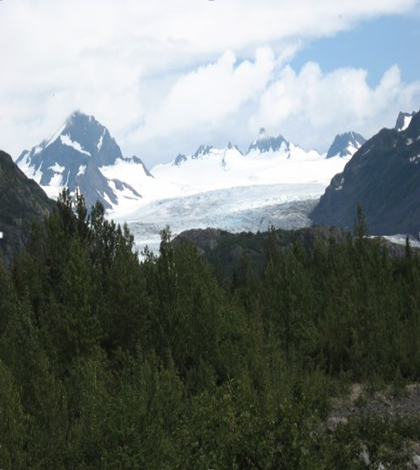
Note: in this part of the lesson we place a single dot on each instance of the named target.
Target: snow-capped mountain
(77, 156)
(346, 145)
(269, 160)
(275, 183)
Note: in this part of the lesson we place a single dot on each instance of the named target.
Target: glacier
(228, 191)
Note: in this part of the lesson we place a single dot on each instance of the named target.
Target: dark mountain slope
(22, 201)
(384, 176)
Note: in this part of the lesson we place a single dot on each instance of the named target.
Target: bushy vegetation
(109, 362)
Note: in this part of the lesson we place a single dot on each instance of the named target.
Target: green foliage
(13, 425)
(110, 362)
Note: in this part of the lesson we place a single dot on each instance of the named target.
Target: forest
(109, 360)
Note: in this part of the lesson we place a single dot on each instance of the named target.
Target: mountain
(22, 202)
(266, 143)
(403, 121)
(75, 157)
(263, 144)
(265, 147)
(384, 176)
(276, 184)
(346, 145)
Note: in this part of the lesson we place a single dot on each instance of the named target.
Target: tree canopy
(109, 361)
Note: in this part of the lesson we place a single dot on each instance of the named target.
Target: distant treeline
(109, 362)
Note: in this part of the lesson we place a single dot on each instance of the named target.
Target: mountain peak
(264, 142)
(202, 151)
(262, 134)
(179, 159)
(233, 147)
(403, 121)
(346, 145)
(76, 156)
(80, 137)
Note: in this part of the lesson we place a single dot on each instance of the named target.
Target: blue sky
(374, 45)
(169, 75)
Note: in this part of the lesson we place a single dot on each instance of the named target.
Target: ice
(224, 190)
(243, 208)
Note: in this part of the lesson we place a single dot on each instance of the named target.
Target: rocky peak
(346, 145)
(264, 142)
(403, 121)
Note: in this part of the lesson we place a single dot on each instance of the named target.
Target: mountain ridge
(384, 177)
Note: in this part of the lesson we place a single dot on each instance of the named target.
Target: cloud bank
(167, 76)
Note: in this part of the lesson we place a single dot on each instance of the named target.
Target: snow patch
(29, 170)
(55, 181)
(407, 120)
(82, 170)
(101, 139)
(38, 149)
(340, 187)
(57, 168)
(66, 140)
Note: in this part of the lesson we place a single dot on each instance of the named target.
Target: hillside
(22, 202)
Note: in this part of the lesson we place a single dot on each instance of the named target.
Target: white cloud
(209, 94)
(310, 106)
(174, 68)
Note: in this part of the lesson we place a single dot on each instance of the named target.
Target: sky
(169, 75)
